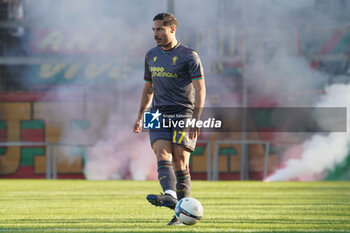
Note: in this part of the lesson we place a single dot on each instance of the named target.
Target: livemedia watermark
(294, 120)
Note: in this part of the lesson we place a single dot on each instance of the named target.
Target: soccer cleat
(162, 200)
(175, 222)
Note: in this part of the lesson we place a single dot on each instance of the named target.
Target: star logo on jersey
(154, 59)
(174, 60)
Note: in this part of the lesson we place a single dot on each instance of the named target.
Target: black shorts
(176, 135)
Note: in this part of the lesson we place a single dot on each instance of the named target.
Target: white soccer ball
(189, 211)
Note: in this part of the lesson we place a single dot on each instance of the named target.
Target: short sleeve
(195, 67)
(147, 76)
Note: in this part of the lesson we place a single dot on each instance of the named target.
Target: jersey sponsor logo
(157, 69)
(174, 60)
(154, 59)
(160, 72)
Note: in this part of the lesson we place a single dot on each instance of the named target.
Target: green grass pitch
(121, 206)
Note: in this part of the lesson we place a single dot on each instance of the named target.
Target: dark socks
(183, 184)
(166, 175)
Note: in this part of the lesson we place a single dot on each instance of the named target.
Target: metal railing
(212, 165)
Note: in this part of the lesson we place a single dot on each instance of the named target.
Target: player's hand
(194, 132)
(137, 126)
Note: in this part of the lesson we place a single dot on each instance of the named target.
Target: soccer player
(174, 85)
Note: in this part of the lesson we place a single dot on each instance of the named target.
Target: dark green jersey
(171, 73)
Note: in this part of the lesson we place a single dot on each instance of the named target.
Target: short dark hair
(167, 18)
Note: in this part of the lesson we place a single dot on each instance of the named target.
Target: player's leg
(166, 175)
(161, 144)
(182, 148)
(181, 159)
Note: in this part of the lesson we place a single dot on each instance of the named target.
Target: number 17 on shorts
(181, 138)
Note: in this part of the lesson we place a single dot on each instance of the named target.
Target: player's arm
(197, 76)
(200, 93)
(146, 99)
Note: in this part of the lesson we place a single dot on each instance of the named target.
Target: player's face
(163, 35)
